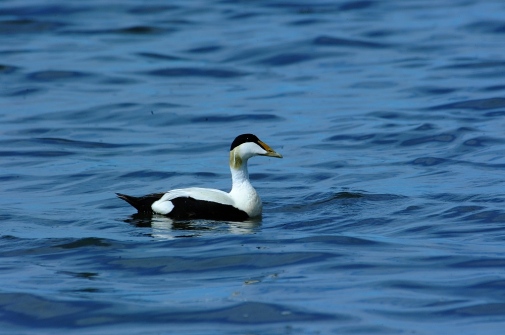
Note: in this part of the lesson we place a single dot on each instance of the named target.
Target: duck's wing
(199, 203)
(199, 193)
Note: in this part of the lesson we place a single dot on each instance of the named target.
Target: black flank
(189, 208)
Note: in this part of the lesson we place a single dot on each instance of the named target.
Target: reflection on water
(163, 227)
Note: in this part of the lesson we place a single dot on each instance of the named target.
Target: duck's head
(246, 146)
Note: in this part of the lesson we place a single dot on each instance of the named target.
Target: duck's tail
(141, 204)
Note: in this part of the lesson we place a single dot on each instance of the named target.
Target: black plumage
(141, 204)
(186, 208)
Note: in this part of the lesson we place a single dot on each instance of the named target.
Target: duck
(240, 204)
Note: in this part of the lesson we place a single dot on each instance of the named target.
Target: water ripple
(57, 75)
(86, 313)
(385, 216)
(196, 72)
(131, 30)
(28, 26)
(330, 41)
(488, 26)
(227, 263)
(476, 104)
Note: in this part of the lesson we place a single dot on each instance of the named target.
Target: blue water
(386, 215)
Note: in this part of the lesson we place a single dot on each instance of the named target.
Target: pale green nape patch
(235, 160)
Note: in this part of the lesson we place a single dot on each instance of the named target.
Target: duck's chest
(247, 199)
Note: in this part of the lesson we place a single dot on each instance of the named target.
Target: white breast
(246, 198)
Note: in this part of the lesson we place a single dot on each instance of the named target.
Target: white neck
(242, 192)
(240, 177)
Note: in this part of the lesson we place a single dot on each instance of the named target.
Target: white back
(165, 206)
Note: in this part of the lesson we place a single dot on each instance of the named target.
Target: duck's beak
(270, 152)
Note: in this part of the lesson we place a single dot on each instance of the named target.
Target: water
(384, 217)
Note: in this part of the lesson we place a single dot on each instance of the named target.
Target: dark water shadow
(475, 104)
(35, 311)
(318, 201)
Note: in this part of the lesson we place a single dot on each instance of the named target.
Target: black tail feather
(141, 204)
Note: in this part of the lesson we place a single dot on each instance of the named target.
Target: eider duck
(240, 204)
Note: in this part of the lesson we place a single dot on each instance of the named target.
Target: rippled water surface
(386, 215)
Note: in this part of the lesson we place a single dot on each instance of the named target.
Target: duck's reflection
(166, 228)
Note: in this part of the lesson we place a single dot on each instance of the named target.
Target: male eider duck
(241, 203)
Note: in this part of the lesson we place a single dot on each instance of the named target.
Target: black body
(186, 208)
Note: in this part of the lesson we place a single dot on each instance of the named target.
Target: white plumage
(164, 205)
